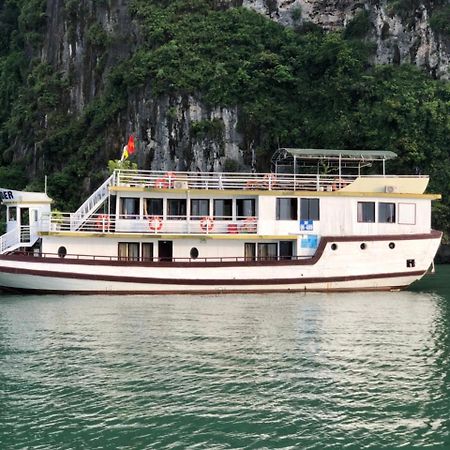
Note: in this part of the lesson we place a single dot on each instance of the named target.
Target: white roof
(9, 196)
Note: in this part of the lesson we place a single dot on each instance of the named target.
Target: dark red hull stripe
(301, 262)
(200, 291)
(203, 282)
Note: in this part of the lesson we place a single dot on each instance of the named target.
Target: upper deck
(166, 180)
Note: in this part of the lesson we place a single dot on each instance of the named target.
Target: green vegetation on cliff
(293, 87)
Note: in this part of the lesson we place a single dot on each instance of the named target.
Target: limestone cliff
(86, 38)
(398, 40)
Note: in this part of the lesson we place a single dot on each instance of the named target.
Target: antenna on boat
(45, 183)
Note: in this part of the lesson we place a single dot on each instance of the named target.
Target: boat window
(199, 208)
(250, 251)
(62, 252)
(12, 213)
(267, 251)
(366, 211)
(128, 251)
(245, 207)
(223, 209)
(309, 209)
(129, 208)
(386, 212)
(286, 209)
(153, 207)
(147, 251)
(176, 209)
(286, 250)
(194, 253)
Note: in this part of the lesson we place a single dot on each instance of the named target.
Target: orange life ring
(170, 177)
(338, 183)
(155, 223)
(207, 224)
(269, 180)
(161, 183)
(166, 181)
(251, 184)
(102, 222)
(249, 225)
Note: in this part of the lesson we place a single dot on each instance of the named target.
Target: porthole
(333, 246)
(62, 251)
(194, 253)
(391, 245)
(363, 246)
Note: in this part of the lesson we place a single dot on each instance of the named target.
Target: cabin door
(24, 223)
(165, 250)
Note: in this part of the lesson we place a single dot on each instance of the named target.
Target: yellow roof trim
(219, 193)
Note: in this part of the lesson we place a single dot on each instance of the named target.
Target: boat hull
(339, 264)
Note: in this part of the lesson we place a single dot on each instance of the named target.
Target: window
(386, 212)
(128, 251)
(309, 209)
(366, 212)
(407, 213)
(223, 209)
(245, 207)
(250, 251)
(153, 207)
(129, 208)
(199, 209)
(286, 250)
(176, 209)
(267, 251)
(12, 213)
(147, 251)
(286, 209)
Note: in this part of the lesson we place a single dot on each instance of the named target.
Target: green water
(208, 372)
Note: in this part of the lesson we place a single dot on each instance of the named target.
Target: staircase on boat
(91, 205)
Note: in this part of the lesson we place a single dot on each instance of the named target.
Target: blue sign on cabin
(306, 225)
(310, 241)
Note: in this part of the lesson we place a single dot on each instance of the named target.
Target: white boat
(316, 223)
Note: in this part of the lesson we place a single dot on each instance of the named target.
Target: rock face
(398, 40)
(86, 38)
(182, 134)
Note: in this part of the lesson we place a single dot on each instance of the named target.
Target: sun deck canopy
(311, 157)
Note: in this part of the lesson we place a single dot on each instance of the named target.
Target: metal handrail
(9, 240)
(91, 204)
(230, 180)
(162, 259)
(120, 223)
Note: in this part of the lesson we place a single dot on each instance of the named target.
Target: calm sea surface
(209, 372)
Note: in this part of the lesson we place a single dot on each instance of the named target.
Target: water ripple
(250, 372)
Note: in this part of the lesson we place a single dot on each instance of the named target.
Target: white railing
(91, 204)
(9, 240)
(24, 236)
(237, 181)
(103, 223)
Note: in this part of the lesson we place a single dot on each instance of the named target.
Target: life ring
(166, 181)
(102, 223)
(207, 224)
(249, 225)
(338, 183)
(161, 183)
(251, 184)
(269, 180)
(155, 223)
